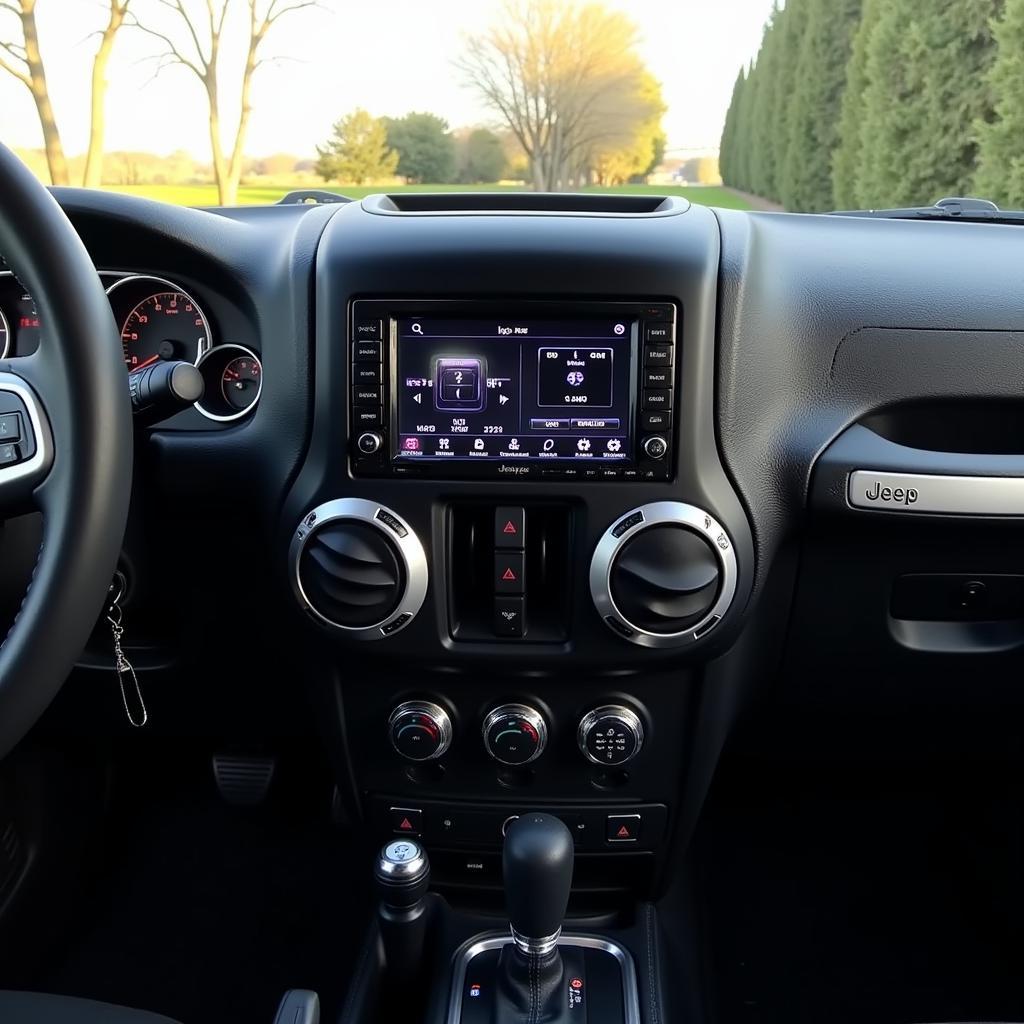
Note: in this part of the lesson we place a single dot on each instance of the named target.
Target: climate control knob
(515, 734)
(420, 730)
(610, 735)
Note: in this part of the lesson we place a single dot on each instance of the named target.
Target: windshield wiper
(954, 208)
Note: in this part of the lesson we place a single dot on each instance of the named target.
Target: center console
(512, 540)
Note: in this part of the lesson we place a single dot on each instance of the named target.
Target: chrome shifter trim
(535, 947)
(474, 947)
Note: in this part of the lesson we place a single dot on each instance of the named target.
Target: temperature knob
(515, 734)
(420, 730)
(611, 735)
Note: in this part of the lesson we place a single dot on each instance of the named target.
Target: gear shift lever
(537, 863)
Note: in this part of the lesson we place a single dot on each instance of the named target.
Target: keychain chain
(129, 683)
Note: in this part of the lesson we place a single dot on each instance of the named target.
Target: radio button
(366, 352)
(364, 395)
(658, 377)
(657, 399)
(658, 354)
(659, 420)
(656, 447)
(367, 330)
(366, 373)
(366, 417)
(369, 443)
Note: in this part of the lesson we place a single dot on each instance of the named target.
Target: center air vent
(359, 567)
(352, 575)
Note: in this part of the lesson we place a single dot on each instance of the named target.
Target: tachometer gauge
(158, 321)
(5, 336)
(240, 382)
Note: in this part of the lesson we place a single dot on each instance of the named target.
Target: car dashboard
(525, 504)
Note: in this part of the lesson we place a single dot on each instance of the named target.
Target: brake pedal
(243, 781)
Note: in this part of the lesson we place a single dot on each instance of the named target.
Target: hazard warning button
(406, 821)
(510, 527)
(622, 828)
(509, 570)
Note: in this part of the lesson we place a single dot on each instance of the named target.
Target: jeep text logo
(901, 495)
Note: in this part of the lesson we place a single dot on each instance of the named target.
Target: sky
(388, 56)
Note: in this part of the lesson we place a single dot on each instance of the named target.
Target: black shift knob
(537, 865)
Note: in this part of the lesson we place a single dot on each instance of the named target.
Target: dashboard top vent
(536, 204)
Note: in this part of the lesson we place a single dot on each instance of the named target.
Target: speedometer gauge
(160, 321)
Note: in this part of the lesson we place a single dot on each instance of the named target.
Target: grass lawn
(206, 195)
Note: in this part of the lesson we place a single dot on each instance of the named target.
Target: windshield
(812, 105)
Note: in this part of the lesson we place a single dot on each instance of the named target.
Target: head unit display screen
(503, 389)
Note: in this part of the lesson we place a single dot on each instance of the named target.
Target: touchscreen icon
(583, 444)
(458, 384)
(478, 444)
(417, 328)
(549, 444)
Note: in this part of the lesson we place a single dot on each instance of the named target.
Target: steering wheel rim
(78, 401)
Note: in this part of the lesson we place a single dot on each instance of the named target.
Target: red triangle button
(510, 527)
(623, 832)
(509, 576)
(406, 825)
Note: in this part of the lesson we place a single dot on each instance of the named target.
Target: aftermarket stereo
(575, 391)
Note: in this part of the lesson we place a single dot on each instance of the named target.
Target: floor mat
(845, 894)
(208, 913)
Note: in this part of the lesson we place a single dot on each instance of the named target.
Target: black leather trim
(78, 376)
(39, 1008)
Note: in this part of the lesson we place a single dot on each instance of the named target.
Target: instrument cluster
(158, 319)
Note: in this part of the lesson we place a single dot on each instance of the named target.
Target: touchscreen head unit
(581, 391)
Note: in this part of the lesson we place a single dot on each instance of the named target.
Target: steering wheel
(73, 459)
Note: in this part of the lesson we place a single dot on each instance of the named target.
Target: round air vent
(351, 573)
(359, 567)
(663, 575)
(665, 579)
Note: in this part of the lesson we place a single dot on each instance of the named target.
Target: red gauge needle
(145, 363)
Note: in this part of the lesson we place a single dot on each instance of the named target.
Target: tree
(846, 157)
(482, 158)
(617, 160)
(24, 61)
(563, 78)
(426, 150)
(1000, 174)
(820, 80)
(200, 53)
(762, 112)
(927, 89)
(791, 31)
(727, 149)
(117, 11)
(357, 151)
